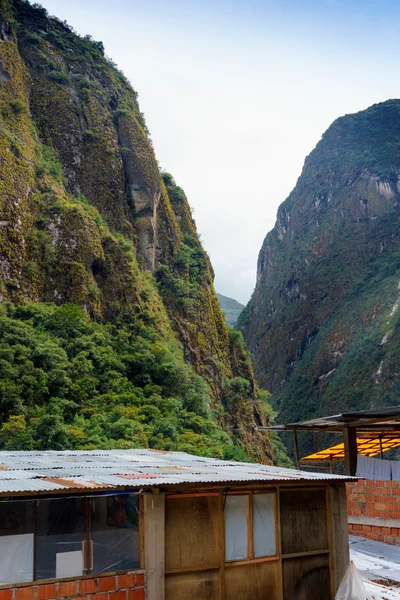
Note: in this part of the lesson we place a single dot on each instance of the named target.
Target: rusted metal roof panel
(100, 469)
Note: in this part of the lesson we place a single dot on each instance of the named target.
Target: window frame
(250, 528)
(86, 544)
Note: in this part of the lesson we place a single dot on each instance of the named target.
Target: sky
(236, 93)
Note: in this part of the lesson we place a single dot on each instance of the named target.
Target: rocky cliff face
(323, 322)
(86, 218)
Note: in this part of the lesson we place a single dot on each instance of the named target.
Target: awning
(372, 444)
(376, 418)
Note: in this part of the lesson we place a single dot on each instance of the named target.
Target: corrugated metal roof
(76, 470)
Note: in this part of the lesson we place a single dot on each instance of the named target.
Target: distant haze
(236, 93)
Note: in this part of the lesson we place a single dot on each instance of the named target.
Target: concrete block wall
(129, 586)
(374, 510)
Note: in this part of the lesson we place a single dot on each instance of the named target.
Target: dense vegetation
(110, 330)
(323, 323)
(67, 382)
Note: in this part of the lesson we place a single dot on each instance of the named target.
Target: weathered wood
(305, 578)
(339, 533)
(221, 545)
(203, 585)
(154, 545)
(350, 450)
(296, 450)
(303, 521)
(191, 532)
(257, 581)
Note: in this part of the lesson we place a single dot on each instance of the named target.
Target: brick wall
(130, 586)
(374, 510)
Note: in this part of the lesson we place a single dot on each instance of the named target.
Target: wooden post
(154, 545)
(339, 549)
(296, 450)
(350, 450)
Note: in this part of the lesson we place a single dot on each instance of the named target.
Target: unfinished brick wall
(374, 510)
(130, 586)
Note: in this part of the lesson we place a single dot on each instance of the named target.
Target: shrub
(17, 106)
(47, 163)
(59, 77)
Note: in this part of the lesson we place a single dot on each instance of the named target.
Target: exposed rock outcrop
(328, 272)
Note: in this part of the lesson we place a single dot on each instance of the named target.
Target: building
(373, 501)
(136, 524)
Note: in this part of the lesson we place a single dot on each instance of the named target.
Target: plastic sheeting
(115, 533)
(395, 470)
(264, 525)
(373, 468)
(16, 558)
(352, 587)
(377, 469)
(236, 527)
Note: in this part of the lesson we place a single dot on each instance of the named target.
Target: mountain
(231, 309)
(323, 323)
(111, 334)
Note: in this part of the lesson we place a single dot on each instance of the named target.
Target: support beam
(339, 534)
(350, 450)
(154, 545)
(296, 450)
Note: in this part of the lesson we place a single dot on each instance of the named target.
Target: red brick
(139, 579)
(118, 595)
(87, 586)
(46, 592)
(25, 593)
(107, 584)
(99, 597)
(366, 528)
(67, 588)
(126, 581)
(5, 594)
(136, 594)
(376, 529)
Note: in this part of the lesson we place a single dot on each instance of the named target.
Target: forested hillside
(231, 309)
(323, 324)
(111, 331)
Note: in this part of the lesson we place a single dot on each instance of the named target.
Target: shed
(373, 504)
(136, 524)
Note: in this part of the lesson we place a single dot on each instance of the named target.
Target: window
(264, 525)
(16, 542)
(236, 523)
(115, 533)
(68, 537)
(249, 526)
(60, 538)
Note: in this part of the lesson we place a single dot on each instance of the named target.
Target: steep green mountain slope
(111, 332)
(323, 324)
(231, 309)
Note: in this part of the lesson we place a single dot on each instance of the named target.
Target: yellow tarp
(368, 445)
